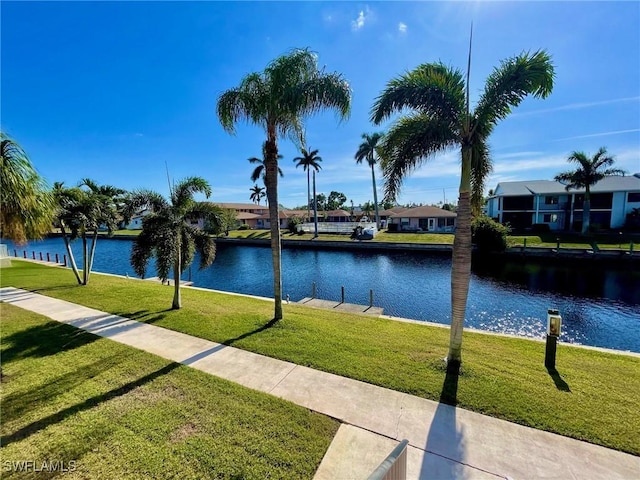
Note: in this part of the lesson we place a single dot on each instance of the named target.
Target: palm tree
(260, 171)
(368, 150)
(278, 99)
(26, 204)
(589, 172)
(308, 160)
(167, 234)
(440, 119)
(81, 214)
(256, 194)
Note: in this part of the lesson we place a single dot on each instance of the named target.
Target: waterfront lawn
(576, 240)
(383, 236)
(593, 397)
(118, 412)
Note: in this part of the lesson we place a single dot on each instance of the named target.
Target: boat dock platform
(342, 307)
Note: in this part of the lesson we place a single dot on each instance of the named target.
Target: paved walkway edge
(449, 442)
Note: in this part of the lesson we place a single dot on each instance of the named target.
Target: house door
(432, 224)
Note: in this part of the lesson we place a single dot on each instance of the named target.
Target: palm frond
(432, 89)
(506, 87)
(206, 247)
(183, 192)
(408, 144)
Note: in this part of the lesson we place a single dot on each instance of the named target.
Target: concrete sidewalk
(445, 442)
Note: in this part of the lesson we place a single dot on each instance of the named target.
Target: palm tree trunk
(586, 211)
(176, 279)
(271, 182)
(92, 253)
(375, 197)
(308, 197)
(460, 265)
(85, 265)
(72, 260)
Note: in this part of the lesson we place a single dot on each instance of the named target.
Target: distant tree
(589, 172)
(81, 212)
(322, 201)
(449, 207)
(278, 99)
(257, 193)
(166, 232)
(260, 171)
(387, 204)
(308, 161)
(368, 150)
(26, 205)
(226, 220)
(336, 200)
(367, 207)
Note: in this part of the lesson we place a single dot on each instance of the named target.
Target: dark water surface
(600, 306)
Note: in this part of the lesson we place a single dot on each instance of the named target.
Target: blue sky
(113, 90)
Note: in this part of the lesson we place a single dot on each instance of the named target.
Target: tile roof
(424, 212)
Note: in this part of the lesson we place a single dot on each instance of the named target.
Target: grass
(384, 236)
(118, 412)
(593, 397)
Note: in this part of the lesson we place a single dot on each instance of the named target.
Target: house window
(551, 200)
(404, 221)
(633, 197)
(550, 218)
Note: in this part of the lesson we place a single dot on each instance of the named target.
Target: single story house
(425, 219)
(527, 203)
(136, 221)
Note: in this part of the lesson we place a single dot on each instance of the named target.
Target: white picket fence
(344, 228)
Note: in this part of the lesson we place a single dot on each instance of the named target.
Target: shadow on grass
(449, 392)
(145, 316)
(92, 402)
(264, 327)
(16, 404)
(557, 379)
(44, 340)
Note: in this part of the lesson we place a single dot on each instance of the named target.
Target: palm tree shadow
(558, 380)
(445, 449)
(145, 316)
(264, 327)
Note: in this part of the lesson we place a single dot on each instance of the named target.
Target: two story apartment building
(527, 203)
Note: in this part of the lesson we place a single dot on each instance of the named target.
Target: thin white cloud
(402, 28)
(601, 134)
(359, 22)
(577, 106)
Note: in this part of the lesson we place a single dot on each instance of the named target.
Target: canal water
(600, 306)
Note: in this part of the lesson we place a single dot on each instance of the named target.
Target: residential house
(527, 203)
(425, 219)
(249, 213)
(385, 214)
(136, 221)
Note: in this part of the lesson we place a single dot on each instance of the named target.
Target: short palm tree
(278, 99)
(257, 193)
(81, 213)
(26, 204)
(167, 234)
(368, 150)
(589, 172)
(438, 98)
(308, 161)
(260, 171)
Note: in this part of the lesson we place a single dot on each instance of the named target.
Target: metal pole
(189, 272)
(57, 259)
(550, 352)
(342, 294)
(40, 256)
(48, 257)
(65, 259)
(314, 291)
(15, 253)
(315, 207)
(24, 253)
(371, 297)
(33, 255)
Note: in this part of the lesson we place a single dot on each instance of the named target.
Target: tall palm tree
(26, 204)
(81, 213)
(260, 171)
(309, 160)
(589, 172)
(368, 150)
(440, 119)
(166, 232)
(257, 193)
(278, 99)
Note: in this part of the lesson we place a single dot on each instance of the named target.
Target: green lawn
(594, 396)
(117, 412)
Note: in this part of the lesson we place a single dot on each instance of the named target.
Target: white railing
(394, 467)
(345, 228)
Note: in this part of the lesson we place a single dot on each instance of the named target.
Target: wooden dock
(342, 307)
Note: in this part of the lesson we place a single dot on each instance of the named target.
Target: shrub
(244, 226)
(293, 224)
(489, 235)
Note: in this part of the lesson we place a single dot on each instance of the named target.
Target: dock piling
(342, 294)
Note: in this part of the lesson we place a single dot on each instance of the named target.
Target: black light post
(554, 326)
